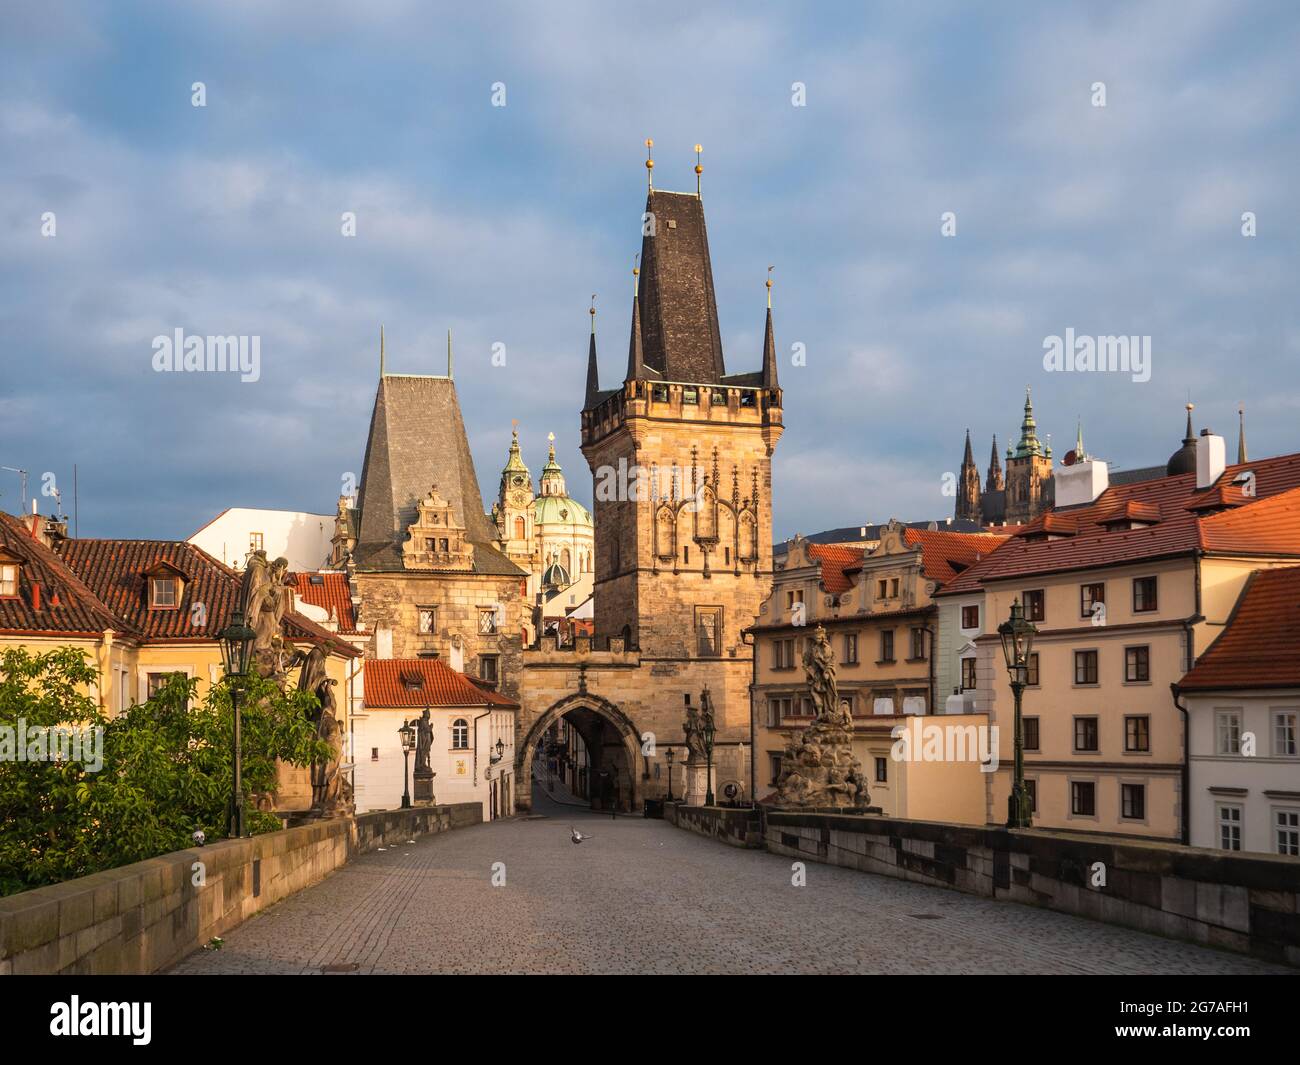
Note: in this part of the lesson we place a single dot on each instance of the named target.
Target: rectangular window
(1144, 594)
(1031, 669)
(487, 668)
(774, 764)
(893, 587)
(1090, 595)
(1137, 663)
(1284, 733)
(882, 589)
(882, 770)
(1030, 725)
(256, 541)
(970, 617)
(783, 654)
(162, 591)
(708, 631)
(1085, 734)
(8, 580)
(918, 645)
(887, 645)
(1085, 667)
(428, 620)
(1286, 831)
(1229, 818)
(1083, 798)
(791, 598)
(773, 713)
(487, 621)
(155, 684)
(1133, 801)
(1227, 731)
(851, 649)
(967, 674)
(1137, 734)
(374, 754)
(1035, 609)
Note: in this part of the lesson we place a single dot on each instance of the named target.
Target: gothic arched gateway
(613, 745)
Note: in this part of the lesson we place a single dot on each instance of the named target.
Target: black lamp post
(236, 641)
(501, 751)
(707, 731)
(407, 732)
(669, 755)
(1017, 638)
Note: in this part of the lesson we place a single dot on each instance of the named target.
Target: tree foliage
(167, 767)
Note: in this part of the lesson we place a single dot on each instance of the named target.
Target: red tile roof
(946, 554)
(64, 606)
(115, 572)
(420, 682)
(834, 561)
(1267, 523)
(332, 594)
(1260, 645)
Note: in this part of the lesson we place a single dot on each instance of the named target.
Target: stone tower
(1029, 472)
(511, 511)
(681, 458)
(968, 487)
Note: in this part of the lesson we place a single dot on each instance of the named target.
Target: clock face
(519, 479)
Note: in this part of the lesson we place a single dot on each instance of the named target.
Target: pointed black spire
(769, 355)
(593, 372)
(969, 459)
(635, 353)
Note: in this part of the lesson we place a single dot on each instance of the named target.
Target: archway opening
(582, 752)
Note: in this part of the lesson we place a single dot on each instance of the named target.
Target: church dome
(555, 576)
(1184, 459)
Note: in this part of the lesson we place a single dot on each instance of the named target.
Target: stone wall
(1249, 903)
(145, 917)
(737, 827)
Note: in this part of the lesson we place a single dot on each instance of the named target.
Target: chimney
(1211, 458)
(36, 596)
(1081, 483)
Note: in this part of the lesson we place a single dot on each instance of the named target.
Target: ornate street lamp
(236, 641)
(407, 732)
(501, 751)
(1017, 639)
(669, 754)
(707, 731)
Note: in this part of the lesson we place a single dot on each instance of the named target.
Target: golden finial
(636, 271)
(769, 286)
(649, 164)
(593, 314)
(698, 170)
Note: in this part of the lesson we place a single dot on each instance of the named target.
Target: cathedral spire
(968, 459)
(593, 373)
(635, 352)
(968, 487)
(1078, 442)
(1029, 444)
(769, 342)
(1241, 434)
(994, 483)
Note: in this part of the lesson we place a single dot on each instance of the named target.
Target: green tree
(167, 767)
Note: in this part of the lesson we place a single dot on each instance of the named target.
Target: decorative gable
(434, 541)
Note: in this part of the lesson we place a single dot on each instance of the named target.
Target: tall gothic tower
(681, 455)
(1029, 472)
(968, 487)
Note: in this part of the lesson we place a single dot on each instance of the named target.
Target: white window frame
(1284, 821)
(1232, 823)
(1222, 718)
(1276, 716)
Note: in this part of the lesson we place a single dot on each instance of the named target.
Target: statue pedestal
(697, 784)
(423, 789)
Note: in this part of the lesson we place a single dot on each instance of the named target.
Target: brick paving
(644, 897)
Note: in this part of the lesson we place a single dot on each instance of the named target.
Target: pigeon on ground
(577, 836)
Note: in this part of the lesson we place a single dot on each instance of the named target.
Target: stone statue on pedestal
(818, 767)
(424, 773)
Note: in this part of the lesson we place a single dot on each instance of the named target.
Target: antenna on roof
(649, 164)
(448, 354)
(381, 349)
(23, 475)
(698, 171)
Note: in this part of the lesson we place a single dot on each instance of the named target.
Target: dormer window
(163, 592)
(166, 585)
(8, 579)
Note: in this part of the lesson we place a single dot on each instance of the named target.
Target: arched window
(519, 528)
(460, 734)
(565, 561)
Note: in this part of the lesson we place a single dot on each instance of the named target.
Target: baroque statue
(818, 768)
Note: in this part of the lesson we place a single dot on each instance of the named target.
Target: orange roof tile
(834, 561)
(420, 682)
(331, 593)
(946, 554)
(64, 606)
(1260, 645)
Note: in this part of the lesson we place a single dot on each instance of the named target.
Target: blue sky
(500, 222)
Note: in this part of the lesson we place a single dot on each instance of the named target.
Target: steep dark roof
(417, 440)
(856, 533)
(679, 313)
(77, 612)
